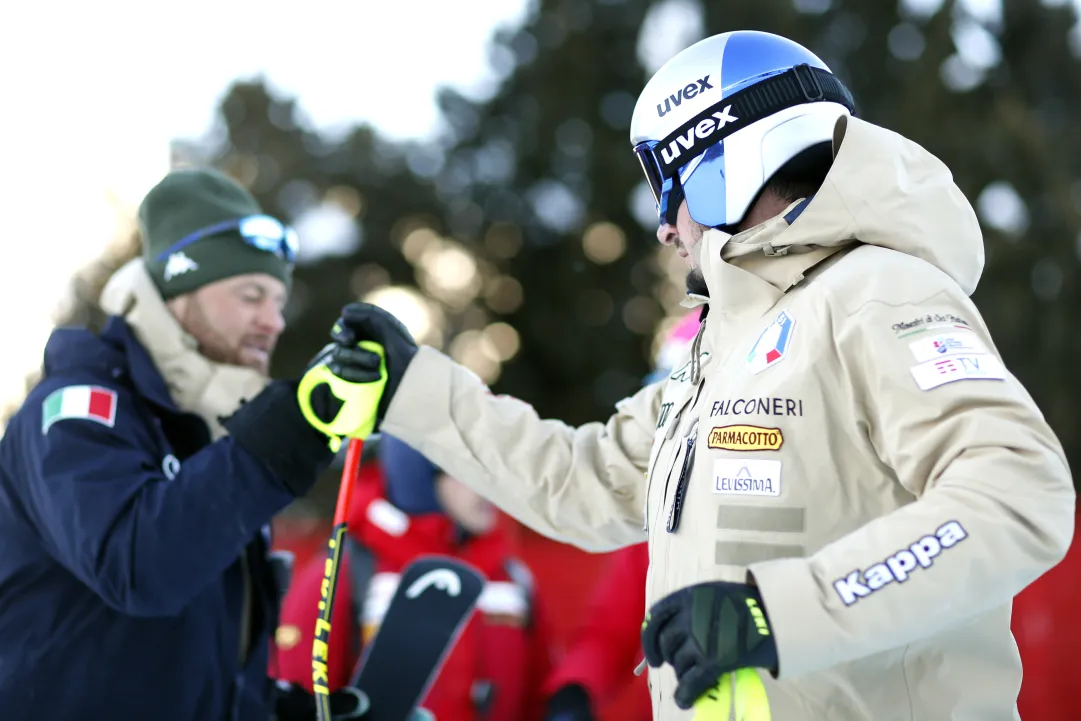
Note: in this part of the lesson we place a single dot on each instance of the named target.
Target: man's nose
(271, 319)
(667, 234)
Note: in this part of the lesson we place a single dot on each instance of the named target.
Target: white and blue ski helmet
(718, 120)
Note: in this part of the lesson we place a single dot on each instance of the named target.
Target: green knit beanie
(190, 200)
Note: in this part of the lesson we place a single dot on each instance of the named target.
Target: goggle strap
(282, 249)
(795, 86)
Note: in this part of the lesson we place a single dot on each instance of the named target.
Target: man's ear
(178, 307)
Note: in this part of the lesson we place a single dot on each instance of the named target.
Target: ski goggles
(667, 192)
(696, 148)
(259, 231)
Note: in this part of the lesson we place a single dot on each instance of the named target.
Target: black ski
(429, 609)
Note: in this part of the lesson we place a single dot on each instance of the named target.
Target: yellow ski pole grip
(738, 696)
(360, 401)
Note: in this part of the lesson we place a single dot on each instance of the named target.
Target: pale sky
(91, 93)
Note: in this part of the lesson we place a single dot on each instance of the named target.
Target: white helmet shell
(692, 122)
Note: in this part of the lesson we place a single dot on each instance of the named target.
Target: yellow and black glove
(706, 631)
(348, 386)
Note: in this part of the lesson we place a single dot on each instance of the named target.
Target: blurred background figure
(488, 200)
(403, 508)
(1048, 632)
(606, 646)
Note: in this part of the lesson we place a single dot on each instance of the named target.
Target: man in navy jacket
(138, 480)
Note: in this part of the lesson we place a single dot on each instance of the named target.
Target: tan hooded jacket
(846, 434)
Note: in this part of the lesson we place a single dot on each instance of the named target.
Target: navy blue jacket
(121, 585)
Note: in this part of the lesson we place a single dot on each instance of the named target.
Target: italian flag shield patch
(91, 403)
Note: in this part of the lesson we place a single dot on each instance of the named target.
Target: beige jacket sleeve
(993, 506)
(584, 486)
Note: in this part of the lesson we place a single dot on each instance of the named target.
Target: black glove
(706, 631)
(569, 703)
(295, 703)
(272, 428)
(364, 322)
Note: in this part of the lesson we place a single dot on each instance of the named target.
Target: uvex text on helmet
(718, 120)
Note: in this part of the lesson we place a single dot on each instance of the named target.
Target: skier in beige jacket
(842, 448)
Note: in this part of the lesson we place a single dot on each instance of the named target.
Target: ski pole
(320, 677)
(738, 696)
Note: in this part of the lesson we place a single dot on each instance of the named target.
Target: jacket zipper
(673, 428)
(684, 478)
(245, 609)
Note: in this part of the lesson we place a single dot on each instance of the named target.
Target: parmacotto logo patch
(746, 438)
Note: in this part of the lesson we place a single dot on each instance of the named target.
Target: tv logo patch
(935, 373)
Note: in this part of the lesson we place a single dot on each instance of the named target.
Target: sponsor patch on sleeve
(941, 345)
(900, 565)
(934, 373)
(931, 321)
(746, 438)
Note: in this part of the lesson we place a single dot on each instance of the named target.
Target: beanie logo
(179, 264)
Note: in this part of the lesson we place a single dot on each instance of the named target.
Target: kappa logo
(899, 566)
(170, 466)
(746, 438)
(687, 92)
(179, 264)
(686, 141)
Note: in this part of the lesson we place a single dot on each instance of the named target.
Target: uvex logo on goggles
(801, 84)
(672, 151)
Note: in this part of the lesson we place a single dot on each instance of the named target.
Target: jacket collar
(148, 382)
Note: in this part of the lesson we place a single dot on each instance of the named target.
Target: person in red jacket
(607, 646)
(599, 664)
(1047, 627)
(401, 509)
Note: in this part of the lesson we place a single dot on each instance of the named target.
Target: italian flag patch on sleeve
(91, 403)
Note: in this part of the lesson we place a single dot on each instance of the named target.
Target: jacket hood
(883, 190)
